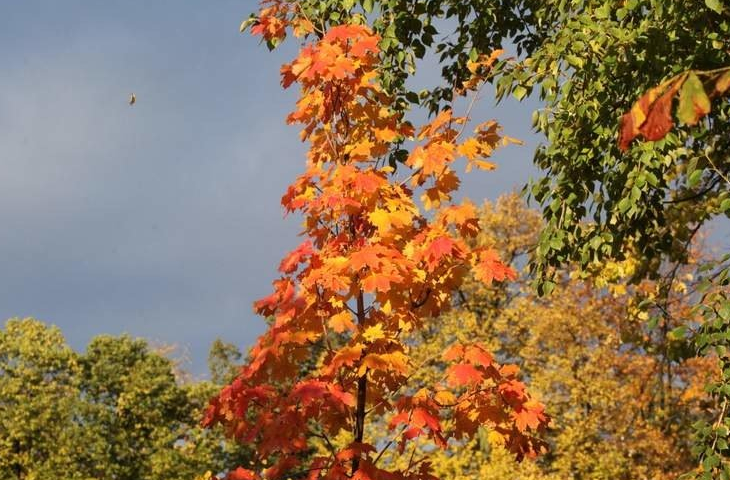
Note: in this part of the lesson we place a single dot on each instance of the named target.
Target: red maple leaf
(241, 474)
(295, 257)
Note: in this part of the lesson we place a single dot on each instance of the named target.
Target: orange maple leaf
(365, 45)
(378, 282)
(489, 268)
(530, 414)
(477, 355)
(464, 374)
(341, 322)
(365, 257)
(438, 249)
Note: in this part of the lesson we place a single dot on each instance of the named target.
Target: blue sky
(160, 220)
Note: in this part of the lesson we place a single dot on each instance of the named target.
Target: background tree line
(120, 410)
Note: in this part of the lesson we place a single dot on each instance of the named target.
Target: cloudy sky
(160, 220)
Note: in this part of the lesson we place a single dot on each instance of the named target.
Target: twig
(719, 172)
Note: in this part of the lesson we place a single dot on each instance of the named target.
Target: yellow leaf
(420, 274)
(421, 395)
(445, 397)
(381, 219)
(495, 438)
(469, 149)
(373, 333)
(372, 361)
(336, 302)
(481, 164)
(404, 326)
(385, 134)
(360, 150)
(397, 361)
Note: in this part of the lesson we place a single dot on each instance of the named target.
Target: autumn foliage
(376, 264)
(650, 117)
(620, 392)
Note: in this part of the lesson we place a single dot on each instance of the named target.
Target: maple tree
(374, 267)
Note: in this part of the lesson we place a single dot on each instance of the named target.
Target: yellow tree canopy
(617, 390)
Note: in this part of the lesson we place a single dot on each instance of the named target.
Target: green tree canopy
(39, 403)
(114, 412)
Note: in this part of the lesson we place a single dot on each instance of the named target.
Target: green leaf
(710, 462)
(635, 193)
(692, 165)
(367, 5)
(247, 23)
(715, 5)
(273, 43)
(724, 311)
(624, 204)
(693, 101)
(519, 92)
(547, 287)
(575, 61)
(695, 177)
(725, 205)
(678, 333)
(603, 12)
(412, 97)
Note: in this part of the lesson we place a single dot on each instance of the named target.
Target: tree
(39, 403)
(134, 401)
(116, 411)
(373, 268)
(224, 361)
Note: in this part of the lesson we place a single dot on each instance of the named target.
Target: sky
(162, 219)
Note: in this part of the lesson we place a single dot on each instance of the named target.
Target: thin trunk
(362, 385)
